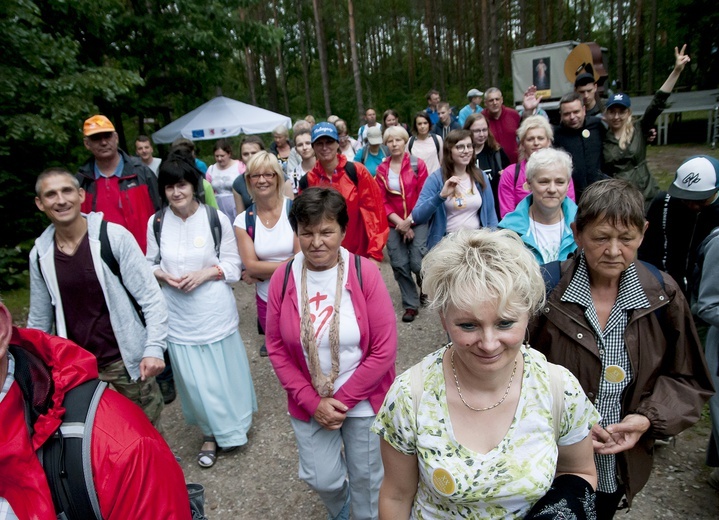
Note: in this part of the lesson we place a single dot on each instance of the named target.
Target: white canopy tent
(221, 117)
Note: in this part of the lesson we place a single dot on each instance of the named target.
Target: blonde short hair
(395, 131)
(475, 266)
(531, 123)
(260, 163)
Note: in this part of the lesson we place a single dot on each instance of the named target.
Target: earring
(526, 338)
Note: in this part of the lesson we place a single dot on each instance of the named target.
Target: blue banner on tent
(198, 133)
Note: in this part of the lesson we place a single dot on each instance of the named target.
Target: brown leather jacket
(671, 381)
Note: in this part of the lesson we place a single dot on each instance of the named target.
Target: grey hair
(51, 172)
(281, 130)
(492, 90)
(475, 266)
(549, 159)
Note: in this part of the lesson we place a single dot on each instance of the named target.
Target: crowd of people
(570, 349)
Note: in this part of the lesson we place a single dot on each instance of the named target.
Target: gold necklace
(495, 405)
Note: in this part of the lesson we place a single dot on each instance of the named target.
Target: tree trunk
(268, 62)
(281, 62)
(429, 23)
(620, 45)
(355, 59)
(303, 52)
(322, 51)
(250, 75)
(652, 48)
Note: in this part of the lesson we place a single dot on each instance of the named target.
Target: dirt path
(260, 480)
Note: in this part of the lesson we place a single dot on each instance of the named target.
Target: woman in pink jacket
(401, 177)
(333, 352)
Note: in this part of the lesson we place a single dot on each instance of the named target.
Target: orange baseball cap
(97, 125)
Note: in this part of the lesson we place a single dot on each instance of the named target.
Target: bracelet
(220, 274)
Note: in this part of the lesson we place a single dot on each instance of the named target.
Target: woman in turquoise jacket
(458, 195)
(543, 218)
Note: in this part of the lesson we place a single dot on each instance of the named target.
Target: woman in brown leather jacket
(625, 331)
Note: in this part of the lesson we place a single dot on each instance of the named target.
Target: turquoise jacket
(518, 221)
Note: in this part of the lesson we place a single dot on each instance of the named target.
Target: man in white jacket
(90, 282)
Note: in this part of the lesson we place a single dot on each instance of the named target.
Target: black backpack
(250, 217)
(350, 169)
(67, 454)
(412, 139)
(212, 217)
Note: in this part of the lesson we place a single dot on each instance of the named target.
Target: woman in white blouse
(222, 174)
(193, 253)
(264, 234)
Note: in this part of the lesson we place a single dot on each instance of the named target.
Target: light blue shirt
(466, 111)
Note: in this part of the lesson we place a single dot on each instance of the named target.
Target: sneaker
(409, 315)
(263, 350)
(168, 391)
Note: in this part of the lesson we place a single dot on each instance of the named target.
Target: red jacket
(367, 229)
(401, 202)
(135, 473)
(129, 201)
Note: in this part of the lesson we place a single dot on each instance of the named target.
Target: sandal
(207, 458)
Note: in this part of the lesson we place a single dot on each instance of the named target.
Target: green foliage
(13, 267)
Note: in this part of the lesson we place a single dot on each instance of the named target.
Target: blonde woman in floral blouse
(473, 434)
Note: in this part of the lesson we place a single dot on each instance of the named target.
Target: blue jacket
(430, 208)
(518, 221)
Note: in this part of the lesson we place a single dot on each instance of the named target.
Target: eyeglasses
(461, 148)
(266, 176)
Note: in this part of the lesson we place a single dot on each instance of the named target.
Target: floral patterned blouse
(456, 482)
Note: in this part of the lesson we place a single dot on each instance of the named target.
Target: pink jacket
(378, 331)
(401, 202)
(511, 193)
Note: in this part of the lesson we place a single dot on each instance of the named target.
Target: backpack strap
(436, 141)
(351, 170)
(516, 174)
(365, 153)
(109, 258)
(250, 221)
(384, 148)
(288, 271)
(215, 228)
(66, 456)
(410, 144)
(157, 221)
(358, 268)
(556, 384)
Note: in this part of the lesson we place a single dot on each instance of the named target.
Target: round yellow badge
(614, 374)
(585, 133)
(443, 481)
(199, 242)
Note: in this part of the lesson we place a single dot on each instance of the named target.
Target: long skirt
(215, 387)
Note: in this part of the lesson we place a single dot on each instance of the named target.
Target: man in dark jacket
(120, 186)
(581, 136)
(682, 218)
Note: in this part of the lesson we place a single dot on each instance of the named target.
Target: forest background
(144, 63)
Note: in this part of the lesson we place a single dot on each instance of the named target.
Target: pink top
(378, 332)
(511, 193)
